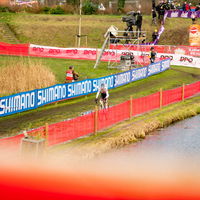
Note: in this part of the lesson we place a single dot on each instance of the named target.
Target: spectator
(139, 23)
(71, 75)
(158, 9)
(162, 12)
(154, 35)
(190, 6)
(153, 17)
(167, 6)
(197, 7)
(184, 6)
(173, 6)
(178, 7)
(153, 4)
(194, 17)
(143, 38)
(152, 55)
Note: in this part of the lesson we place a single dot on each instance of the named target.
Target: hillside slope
(60, 30)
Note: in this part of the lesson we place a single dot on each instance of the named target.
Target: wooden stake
(46, 136)
(160, 98)
(183, 92)
(95, 121)
(76, 42)
(86, 95)
(131, 105)
(96, 53)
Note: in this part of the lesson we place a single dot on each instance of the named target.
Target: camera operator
(138, 23)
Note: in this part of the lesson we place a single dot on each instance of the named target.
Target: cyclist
(104, 95)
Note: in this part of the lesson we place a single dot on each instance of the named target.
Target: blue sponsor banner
(18, 103)
(122, 78)
(137, 74)
(165, 64)
(51, 94)
(88, 86)
(158, 67)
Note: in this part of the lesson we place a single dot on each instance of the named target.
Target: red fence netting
(171, 96)
(112, 115)
(192, 89)
(14, 49)
(144, 104)
(70, 129)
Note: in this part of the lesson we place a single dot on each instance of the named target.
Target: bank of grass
(124, 133)
(24, 75)
(60, 30)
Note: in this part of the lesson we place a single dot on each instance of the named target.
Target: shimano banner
(158, 67)
(18, 103)
(88, 86)
(51, 94)
(122, 78)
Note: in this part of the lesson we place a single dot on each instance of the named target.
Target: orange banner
(194, 35)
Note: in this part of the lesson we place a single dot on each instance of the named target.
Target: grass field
(60, 30)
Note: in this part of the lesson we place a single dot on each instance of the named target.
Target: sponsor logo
(154, 68)
(139, 73)
(88, 52)
(174, 14)
(194, 30)
(17, 103)
(186, 59)
(73, 51)
(48, 95)
(122, 78)
(184, 14)
(166, 57)
(54, 51)
(38, 49)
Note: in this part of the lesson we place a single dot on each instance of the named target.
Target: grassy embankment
(60, 30)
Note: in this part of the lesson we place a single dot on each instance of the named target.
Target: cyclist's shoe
(96, 100)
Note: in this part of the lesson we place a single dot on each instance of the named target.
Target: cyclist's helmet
(102, 86)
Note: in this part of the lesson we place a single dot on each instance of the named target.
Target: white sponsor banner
(90, 54)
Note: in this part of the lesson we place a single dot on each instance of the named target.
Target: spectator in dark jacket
(184, 6)
(154, 35)
(197, 7)
(139, 23)
(162, 12)
(153, 17)
(153, 4)
(158, 9)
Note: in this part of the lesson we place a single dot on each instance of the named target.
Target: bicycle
(102, 104)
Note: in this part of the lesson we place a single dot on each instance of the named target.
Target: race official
(71, 75)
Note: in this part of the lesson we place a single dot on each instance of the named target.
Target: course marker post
(95, 121)
(160, 98)
(183, 92)
(131, 105)
(86, 95)
(46, 136)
